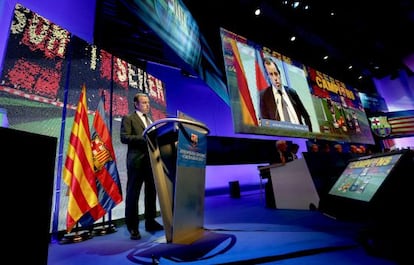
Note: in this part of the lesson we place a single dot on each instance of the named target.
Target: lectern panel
(178, 157)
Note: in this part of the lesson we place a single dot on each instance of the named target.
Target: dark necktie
(284, 107)
(147, 120)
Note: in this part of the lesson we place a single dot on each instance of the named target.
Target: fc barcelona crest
(380, 126)
(194, 139)
(101, 154)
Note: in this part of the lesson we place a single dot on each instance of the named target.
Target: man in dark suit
(274, 98)
(139, 169)
(282, 154)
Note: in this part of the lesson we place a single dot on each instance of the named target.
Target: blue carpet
(249, 244)
(238, 232)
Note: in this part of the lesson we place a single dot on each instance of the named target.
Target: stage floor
(237, 231)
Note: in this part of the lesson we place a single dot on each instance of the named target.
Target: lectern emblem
(101, 154)
(194, 139)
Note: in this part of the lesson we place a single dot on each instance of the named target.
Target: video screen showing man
(279, 102)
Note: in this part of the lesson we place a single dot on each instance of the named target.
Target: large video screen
(175, 25)
(272, 94)
(362, 178)
(44, 69)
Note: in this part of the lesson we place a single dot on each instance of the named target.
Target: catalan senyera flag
(247, 108)
(106, 171)
(78, 172)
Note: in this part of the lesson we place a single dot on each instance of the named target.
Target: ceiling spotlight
(350, 67)
(293, 38)
(257, 11)
(326, 57)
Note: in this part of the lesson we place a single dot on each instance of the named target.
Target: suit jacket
(132, 128)
(268, 109)
(277, 159)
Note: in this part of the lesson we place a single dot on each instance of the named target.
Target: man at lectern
(139, 169)
(281, 156)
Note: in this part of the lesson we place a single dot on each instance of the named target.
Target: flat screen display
(175, 25)
(44, 70)
(272, 94)
(362, 178)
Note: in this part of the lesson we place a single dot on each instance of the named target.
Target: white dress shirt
(142, 117)
(278, 99)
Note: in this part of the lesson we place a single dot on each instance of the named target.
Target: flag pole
(105, 227)
(112, 227)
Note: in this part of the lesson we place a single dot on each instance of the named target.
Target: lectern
(178, 150)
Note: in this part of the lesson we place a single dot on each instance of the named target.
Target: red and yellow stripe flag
(246, 102)
(78, 172)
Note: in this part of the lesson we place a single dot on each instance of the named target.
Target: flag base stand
(76, 237)
(104, 230)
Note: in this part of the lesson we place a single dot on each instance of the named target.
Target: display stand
(105, 228)
(177, 149)
(76, 237)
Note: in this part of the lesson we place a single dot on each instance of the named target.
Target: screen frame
(247, 80)
(360, 168)
(393, 194)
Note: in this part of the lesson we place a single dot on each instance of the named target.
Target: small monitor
(372, 187)
(363, 177)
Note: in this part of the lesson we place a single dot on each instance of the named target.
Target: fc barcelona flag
(106, 171)
(393, 124)
(262, 81)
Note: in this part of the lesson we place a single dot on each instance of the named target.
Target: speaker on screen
(318, 106)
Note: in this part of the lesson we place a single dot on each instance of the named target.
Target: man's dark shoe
(152, 226)
(135, 235)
